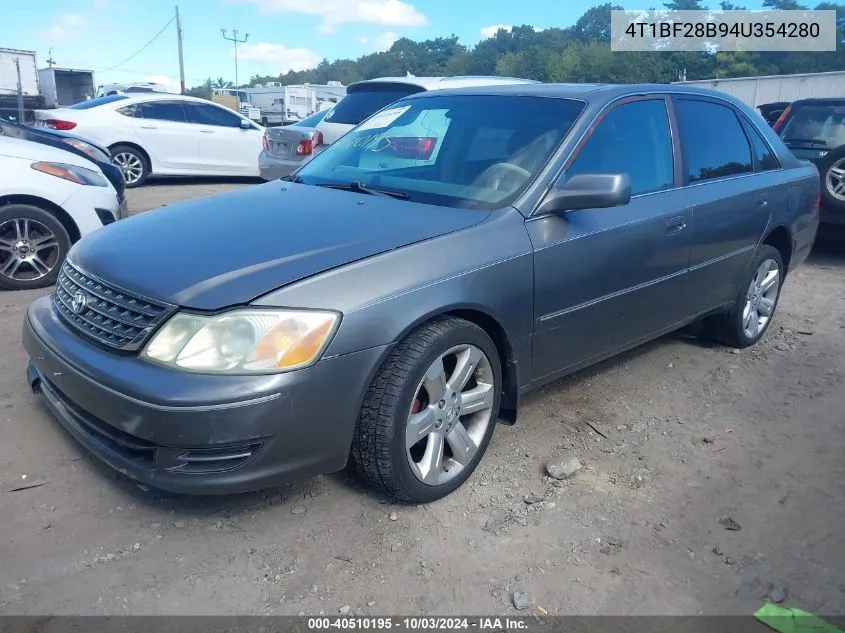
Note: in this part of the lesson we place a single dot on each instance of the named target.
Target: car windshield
(367, 99)
(823, 125)
(460, 151)
(93, 103)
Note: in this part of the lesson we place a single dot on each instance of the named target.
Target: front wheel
(33, 245)
(430, 412)
(754, 308)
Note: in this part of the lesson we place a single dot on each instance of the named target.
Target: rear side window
(362, 103)
(765, 156)
(714, 143)
(161, 111)
(93, 103)
(633, 138)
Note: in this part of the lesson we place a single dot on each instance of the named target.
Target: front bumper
(83, 204)
(193, 433)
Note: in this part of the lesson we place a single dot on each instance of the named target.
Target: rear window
(822, 125)
(365, 101)
(87, 105)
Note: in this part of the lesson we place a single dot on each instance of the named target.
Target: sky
(100, 35)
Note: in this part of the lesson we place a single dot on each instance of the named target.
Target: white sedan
(49, 198)
(163, 135)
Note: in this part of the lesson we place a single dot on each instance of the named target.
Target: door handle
(762, 200)
(676, 225)
(149, 127)
(207, 131)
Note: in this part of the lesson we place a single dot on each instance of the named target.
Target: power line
(140, 50)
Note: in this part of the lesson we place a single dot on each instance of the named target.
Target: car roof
(444, 83)
(587, 92)
(818, 101)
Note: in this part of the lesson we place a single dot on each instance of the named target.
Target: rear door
(361, 102)
(732, 201)
(165, 133)
(225, 148)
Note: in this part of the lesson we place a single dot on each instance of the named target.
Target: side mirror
(246, 125)
(588, 191)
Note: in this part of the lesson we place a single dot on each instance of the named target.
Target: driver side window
(633, 138)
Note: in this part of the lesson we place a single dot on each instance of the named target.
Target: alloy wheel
(130, 165)
(28, 250)
(450, 414)
(761, 298)
(835, 180)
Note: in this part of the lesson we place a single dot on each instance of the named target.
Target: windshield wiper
(291, 178)
(811, 141)
(358, 187)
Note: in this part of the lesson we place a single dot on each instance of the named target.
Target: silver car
(288, 148)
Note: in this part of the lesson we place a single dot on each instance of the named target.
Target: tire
(730, 328)
(33, 245)
(832, 174)
(133, 164)
(379, 452)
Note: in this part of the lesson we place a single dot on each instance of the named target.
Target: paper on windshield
(383, 119)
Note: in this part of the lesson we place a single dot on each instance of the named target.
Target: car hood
(231, 248)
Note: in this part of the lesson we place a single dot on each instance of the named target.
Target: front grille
(106, 314)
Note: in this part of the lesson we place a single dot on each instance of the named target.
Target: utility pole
(20, 92)
(181, 59)
(236, 41)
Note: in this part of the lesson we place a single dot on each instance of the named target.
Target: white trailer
(757, 91)
(62, 87)
(283, 105)
(10, 60)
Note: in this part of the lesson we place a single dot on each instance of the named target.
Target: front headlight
(92, 151)
(74, 173)
(243, 341)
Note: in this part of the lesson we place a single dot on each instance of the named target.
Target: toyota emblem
(78, 302)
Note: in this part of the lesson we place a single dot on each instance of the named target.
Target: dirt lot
(674, 437)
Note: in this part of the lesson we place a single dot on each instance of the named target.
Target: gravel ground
(708, 476)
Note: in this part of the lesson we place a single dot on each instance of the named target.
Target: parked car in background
(163, 135)
(407, 286)
(772, 111)
(72, 143)
(287, 149)
(814, 129)
(50, 197)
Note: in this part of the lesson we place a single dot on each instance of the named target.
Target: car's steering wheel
(495, 175)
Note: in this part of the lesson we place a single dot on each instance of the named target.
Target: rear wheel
(754, 308)
(832, 171)
(33, 245)
(429, 414)
(132, 163)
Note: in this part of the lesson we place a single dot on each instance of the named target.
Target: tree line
(577, 53)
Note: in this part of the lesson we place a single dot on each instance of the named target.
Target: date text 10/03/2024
(417, 623)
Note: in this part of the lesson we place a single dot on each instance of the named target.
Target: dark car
(814, 129)
(74, 144)
(773, 111)
(454, 251)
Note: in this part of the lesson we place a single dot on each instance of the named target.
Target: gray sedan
(287, 147)
(398, 295)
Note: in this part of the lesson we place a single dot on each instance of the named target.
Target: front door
(164, 132)
(605, 278)
(225, 148)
